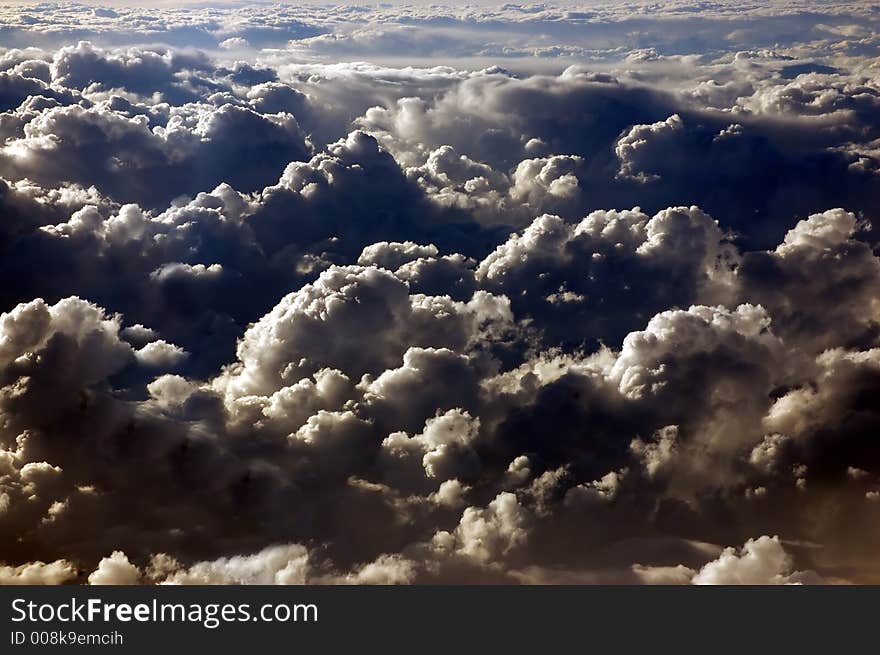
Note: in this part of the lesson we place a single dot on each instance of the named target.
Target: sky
(394, 294)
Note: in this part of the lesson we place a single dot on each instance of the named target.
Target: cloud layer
(537, 295)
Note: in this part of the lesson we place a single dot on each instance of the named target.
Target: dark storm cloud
(269, 317)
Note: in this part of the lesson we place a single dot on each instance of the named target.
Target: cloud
(161, 354)
(140, 71)
(115, 570)
(124, 156)
(322, 325)
(385, 295)
(394, 255)
(632, 147)
(558, 272)
(278, 565)
(841, 306)
(38, 573)
(761, 561)
(290, 564)
(15, 88)
(443, 446)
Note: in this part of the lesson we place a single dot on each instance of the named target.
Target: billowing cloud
(385, 295)
(760, 562)
(38, 573)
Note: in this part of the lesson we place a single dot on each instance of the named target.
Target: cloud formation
(388, 295)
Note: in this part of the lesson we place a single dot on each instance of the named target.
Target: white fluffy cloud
(38, 573)
(115, 570)
(324, 324)
(761, 561)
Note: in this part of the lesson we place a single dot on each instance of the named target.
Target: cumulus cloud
(323, 324)
(632, 147)
(161, 354)
(38, 573)
(197, 147)
(115, 570)
(599, 271)
(384, 295)
(761, 561)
